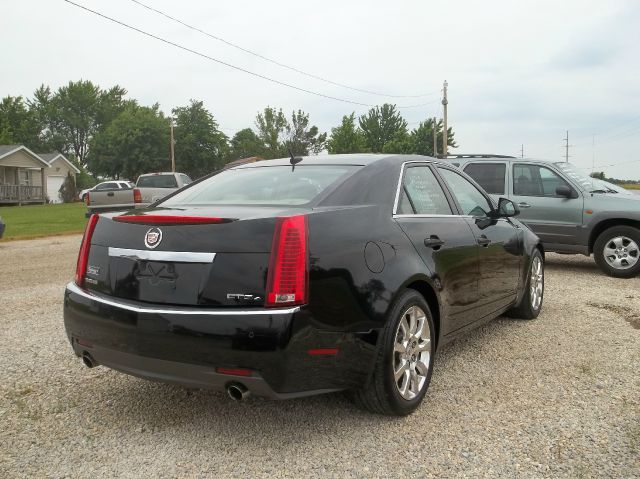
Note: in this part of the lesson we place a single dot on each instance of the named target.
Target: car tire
(531, 302)
(617, 251)
(405, 328)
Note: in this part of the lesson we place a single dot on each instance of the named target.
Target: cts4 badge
(153, 238)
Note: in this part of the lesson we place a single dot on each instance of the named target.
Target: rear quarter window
(157, 181)
(491, 176)
(264, 185)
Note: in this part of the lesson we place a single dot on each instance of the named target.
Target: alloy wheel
(536, 283)
(621, 252)
(412, 353)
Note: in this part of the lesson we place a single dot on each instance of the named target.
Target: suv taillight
(287, 282)
(83, 255)
(137, 196)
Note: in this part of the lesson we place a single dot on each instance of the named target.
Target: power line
(249, 72)
(275, 62)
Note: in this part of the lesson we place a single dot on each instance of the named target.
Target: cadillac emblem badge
(153, 238)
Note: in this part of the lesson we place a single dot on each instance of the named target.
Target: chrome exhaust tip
(88, 360)
(237, 392)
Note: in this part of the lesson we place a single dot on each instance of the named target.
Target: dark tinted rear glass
(488, 175)
(157, 181)
(268, 185)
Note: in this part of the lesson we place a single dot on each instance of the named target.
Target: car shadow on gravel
(166, 409)
(568, 263)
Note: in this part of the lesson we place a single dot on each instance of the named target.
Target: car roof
(490, 158)
(363, 159)
(161, 173)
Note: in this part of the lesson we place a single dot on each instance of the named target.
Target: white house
(57, 172)
(27, 177)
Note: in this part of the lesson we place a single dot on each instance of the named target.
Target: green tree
(346, 138)
(272, 127)
(68, 189)
(75, 113)
(19, 124)
(201, 147)
(278, 135)
(136, 142)
(422, 138)
(382, 125)
(303, 139)
(599, 175)
(245, 144)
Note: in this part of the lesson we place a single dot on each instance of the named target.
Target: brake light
(170, 220)
(234, 371)
(85, 246)
(287, 281)
(137, 196)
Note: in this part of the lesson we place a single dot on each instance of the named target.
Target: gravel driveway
(555, 397)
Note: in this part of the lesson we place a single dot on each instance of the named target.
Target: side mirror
(507, 208)
(564, 191)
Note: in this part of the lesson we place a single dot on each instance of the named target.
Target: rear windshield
(157, 181)
(266, 185)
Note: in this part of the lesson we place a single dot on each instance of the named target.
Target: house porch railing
(19, 193)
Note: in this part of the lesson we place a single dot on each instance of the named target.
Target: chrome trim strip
(175, 256)
(427, 161)
(74, 288)
(431, 216)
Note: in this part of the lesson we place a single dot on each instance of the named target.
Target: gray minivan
(570, 211)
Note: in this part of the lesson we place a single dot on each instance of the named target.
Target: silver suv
(570, 211)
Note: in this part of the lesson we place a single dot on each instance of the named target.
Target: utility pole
(522, 151)
(173, 156)
(435, 137)
(566, 148)
(445, 102)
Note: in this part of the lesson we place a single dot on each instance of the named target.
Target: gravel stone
(555, 397)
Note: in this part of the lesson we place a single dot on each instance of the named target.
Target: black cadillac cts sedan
(342, 272)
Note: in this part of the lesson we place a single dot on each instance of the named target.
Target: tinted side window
(106, 186)
(157, 181)
(422, 194)
(535, 180)
(488, 175)
(470, 199)
(185, 179)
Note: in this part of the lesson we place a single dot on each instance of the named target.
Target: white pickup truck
(149, 188)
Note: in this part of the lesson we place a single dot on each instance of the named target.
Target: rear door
(555, 219)
(499, 242)
(443, 240)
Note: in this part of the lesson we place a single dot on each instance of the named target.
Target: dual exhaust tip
(236, 391)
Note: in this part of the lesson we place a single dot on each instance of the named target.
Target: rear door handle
(433, 242)
(524, 205)
(484, 241)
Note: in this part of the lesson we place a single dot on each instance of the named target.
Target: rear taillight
(83, 255)
(287, 281)
(137, 196)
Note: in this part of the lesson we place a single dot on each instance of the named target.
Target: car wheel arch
(603, 225)
(427, 290)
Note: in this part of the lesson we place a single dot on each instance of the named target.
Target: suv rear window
(157, 181)
(488, 175)
(266, 185)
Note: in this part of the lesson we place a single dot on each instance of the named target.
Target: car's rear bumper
(187, 345)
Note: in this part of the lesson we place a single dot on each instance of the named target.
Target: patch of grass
(26, 222)
(631, 186)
